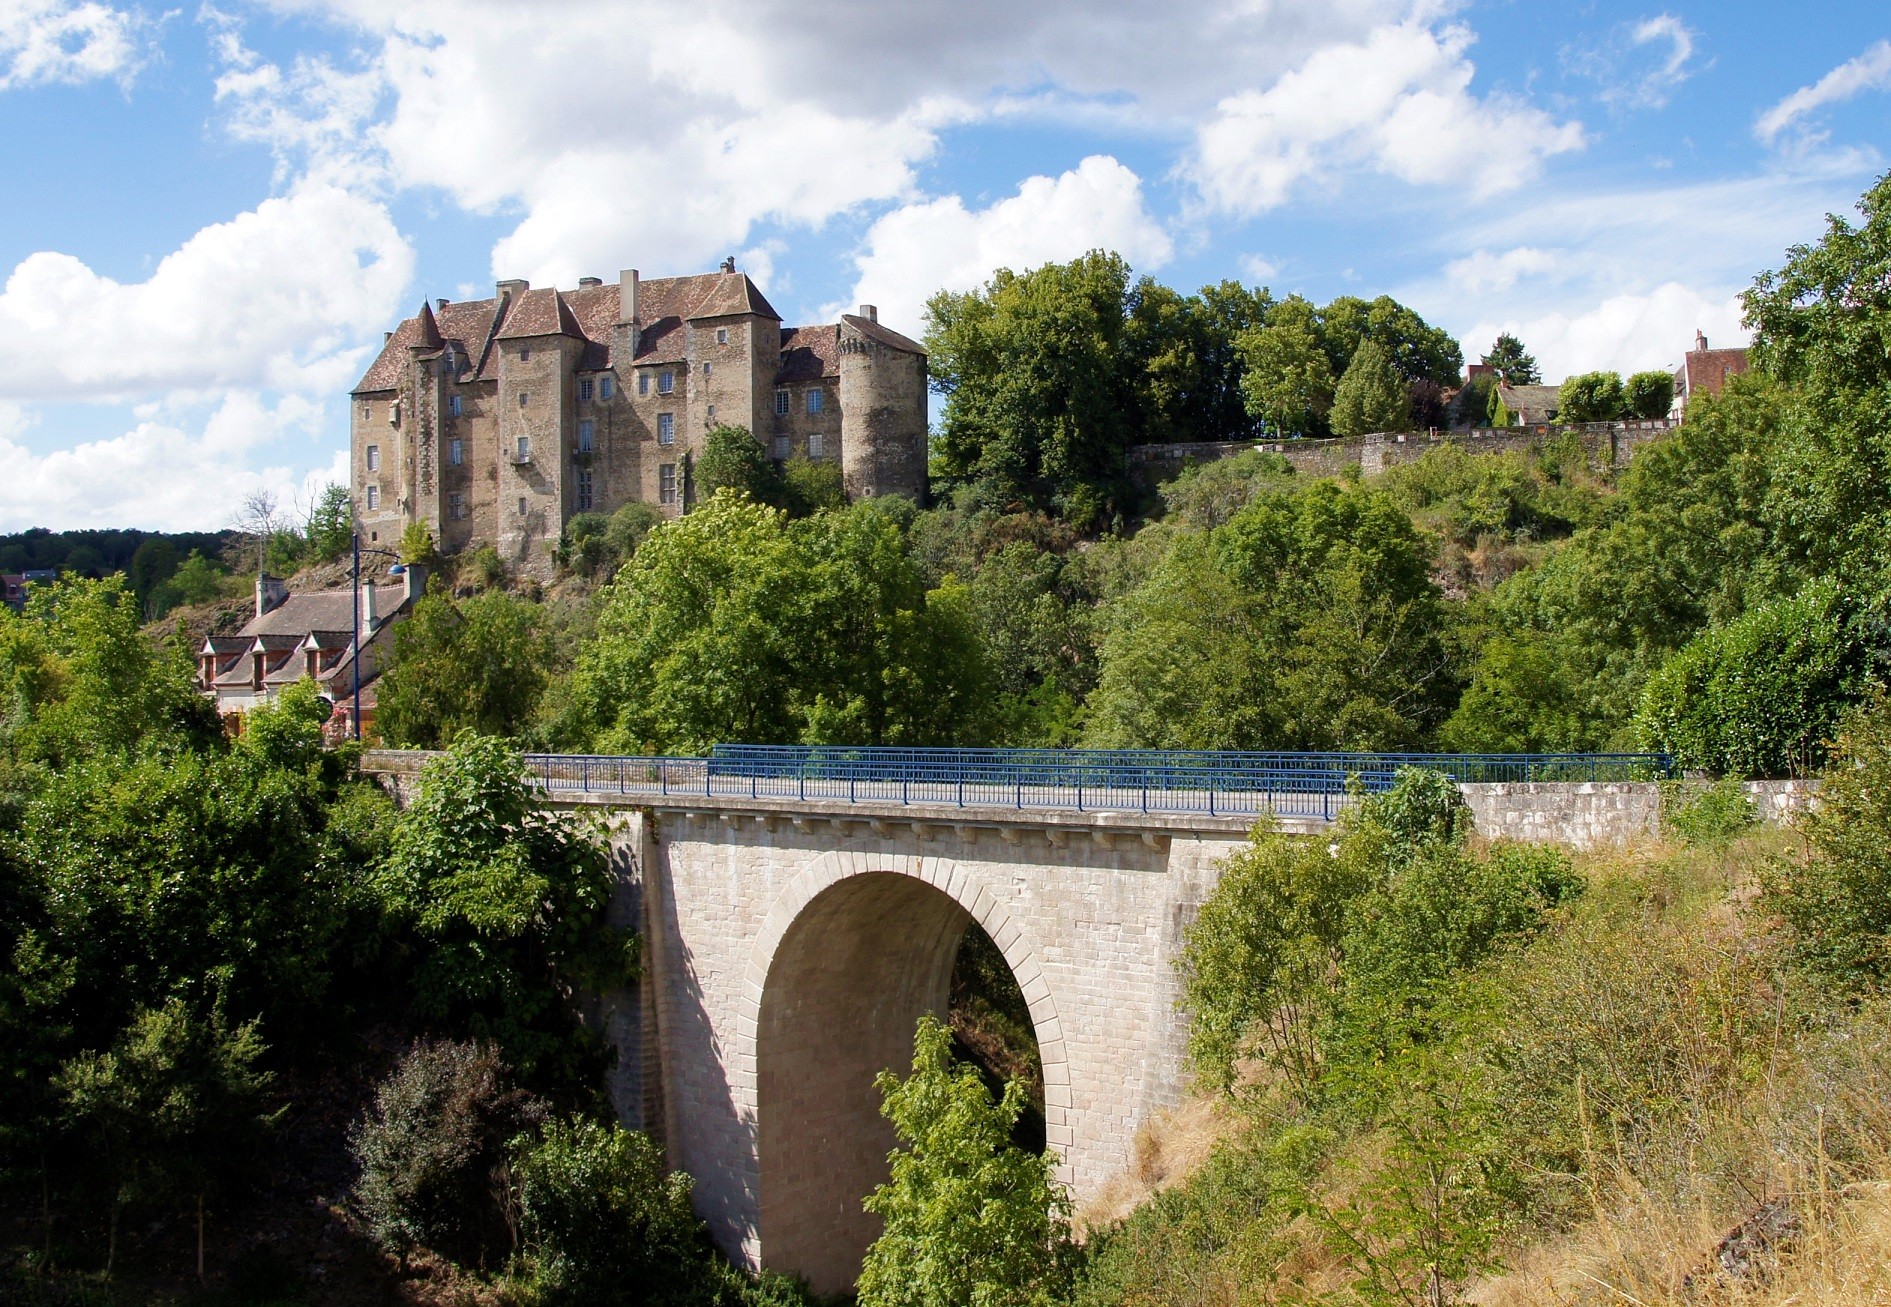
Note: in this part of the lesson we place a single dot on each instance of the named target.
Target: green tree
(1287, 378)
(1419, 351)
(1592, 397)
(505, 900)
(196, 581)
(1524, 697)
(1038, 411)
(1514, 364)
(732, 459)
(629, 526)
(331, 524)
(970, 1218)
(812, 485)
(173, 1111)
(151, 567)
(478, 664)
(1372, 396)
(1182, 362)
(417, 547)
(1648, 395)
(584, 546)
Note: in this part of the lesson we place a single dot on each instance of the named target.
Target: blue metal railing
(1140, 780)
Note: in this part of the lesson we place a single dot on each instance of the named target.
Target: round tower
(883, 409)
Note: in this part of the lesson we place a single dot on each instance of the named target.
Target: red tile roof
(809, 353)
(885, 335)
(665, 306)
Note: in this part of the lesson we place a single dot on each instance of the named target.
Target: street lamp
(355, 573)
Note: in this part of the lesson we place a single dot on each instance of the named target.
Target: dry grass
(1168, 1149)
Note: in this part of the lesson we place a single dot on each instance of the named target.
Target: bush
(1836, 897)
(1371, 396)
(602, 1223)
(628, 527)
(1707, 814)
(417, 545)
(433, 1153)
(813, 485)
(1591, 397)
(1649, 394)
(1762, 695)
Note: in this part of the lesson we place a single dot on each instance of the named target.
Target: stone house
(1530, 405)
(313, 635)
(495, 421)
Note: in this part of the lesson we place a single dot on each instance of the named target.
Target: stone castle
(496, 421)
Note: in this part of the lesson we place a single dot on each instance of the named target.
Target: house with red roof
(1704, 371)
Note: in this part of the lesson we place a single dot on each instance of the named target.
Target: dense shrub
(1836, 896)
(602, 1223)
(1706, 814)
(1762, 695)
(433, 1153)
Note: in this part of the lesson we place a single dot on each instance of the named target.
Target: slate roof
(319, 610)
(1531, 403)
(664, 306)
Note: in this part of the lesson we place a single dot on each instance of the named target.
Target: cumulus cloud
(281, 297)
(1398, 101)
(1485, 272)
(923, 247)
(44, 41)
(1870, 71)
(1623, 333)
(163, 474)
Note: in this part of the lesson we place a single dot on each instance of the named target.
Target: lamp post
(354, 541)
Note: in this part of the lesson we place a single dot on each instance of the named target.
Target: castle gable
(540, 313)
(809, 353)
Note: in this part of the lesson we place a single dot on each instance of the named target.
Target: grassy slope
(1658, 1075)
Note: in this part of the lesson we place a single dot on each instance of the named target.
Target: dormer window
(525, 356)
(666, 383)
(643, 383)
(722, 335)
(584, 390)
(605, 387)
(817, 400)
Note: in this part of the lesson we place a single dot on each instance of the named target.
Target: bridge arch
(853, 951)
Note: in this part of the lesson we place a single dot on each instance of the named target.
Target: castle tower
(883, 409)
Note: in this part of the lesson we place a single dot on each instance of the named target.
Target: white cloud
(281, 297)
(161, 474)
(1484, 272)
(43, 41)
(1623, 333)
(920, 248)
(1870, 71)
(1397, 101)
(1257, 270)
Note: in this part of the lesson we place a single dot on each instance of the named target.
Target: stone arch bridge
(797, 927)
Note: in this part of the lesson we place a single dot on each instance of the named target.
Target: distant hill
(96, 553)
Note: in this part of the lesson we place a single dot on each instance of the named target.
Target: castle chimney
(367, 609)
(1700, 341)
(386, 336)
(728, 264)
(415, 581)
(870, 312)
(585, 283)
(439, 305)
(269, 593)
(627, 295)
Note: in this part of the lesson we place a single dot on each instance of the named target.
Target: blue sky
(212, 214)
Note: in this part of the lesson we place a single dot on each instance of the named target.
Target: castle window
(712, 410)
(367, 411)
(643, 383)
(666, 428)
(452, 406)
(666, 484)
(781, 448)
(781, 403)
(374, 458)
(521, 505)
(374, 498)
(706, 368)
(584, 390)
(456, 506)
(525, 397)
(586, 430)
(817, 401)
(584, 490)
(722, 335)
(666, 382)
(605, 387)
(455, 451)
(525, 355)
(525, 449)
(816, 446)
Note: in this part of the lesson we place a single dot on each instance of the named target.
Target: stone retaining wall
(1599, 814)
